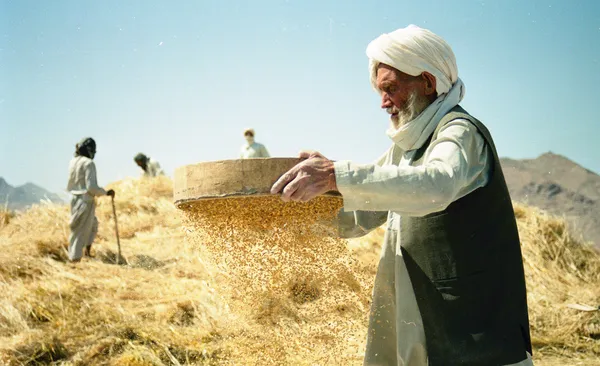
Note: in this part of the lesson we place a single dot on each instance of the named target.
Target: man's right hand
(314, 176)
(110, 192)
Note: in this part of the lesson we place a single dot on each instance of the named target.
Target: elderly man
(83, 187)
(150, 167)
(450, 286)
(252, 149)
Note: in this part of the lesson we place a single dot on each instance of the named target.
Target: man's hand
(110, 192)
(308, 179)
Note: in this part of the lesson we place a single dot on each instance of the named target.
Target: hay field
(177, 304)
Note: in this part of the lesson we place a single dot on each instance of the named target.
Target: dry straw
(221, 291)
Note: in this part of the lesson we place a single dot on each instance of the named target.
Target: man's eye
(389, 90)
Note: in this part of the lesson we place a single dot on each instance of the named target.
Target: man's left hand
(307, 180)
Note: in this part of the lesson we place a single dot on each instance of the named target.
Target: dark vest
(466, 269)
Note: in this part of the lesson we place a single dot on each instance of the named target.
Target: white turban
(414, 50)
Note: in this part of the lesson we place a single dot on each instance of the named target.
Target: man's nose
(386, 102)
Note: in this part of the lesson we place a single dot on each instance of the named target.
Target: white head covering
(414, 50)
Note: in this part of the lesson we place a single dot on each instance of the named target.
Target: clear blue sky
(179, 80)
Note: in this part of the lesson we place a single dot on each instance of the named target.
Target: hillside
(174, 304)
(559, 186)
(20, 197)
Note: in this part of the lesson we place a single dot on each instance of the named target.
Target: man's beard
(415, 105)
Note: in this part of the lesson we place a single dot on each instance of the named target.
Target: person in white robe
(150, 167)
(415, 73)
(83, 187)
(252, 149)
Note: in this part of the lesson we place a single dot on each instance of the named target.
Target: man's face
(139, 163)
(402, 95)
(249, 137)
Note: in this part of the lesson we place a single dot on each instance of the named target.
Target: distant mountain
(559, 186)
(20, 197)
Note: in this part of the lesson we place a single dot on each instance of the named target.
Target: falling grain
(279, 258)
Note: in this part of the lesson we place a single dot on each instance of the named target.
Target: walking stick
(116, 229)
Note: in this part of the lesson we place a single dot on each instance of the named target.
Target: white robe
(83, 187)
(153, 169)
(254, 150)
(455, 164)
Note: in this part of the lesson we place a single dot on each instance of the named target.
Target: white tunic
(153, 169)
(454, 165)
(253, 150)
(83, 187)
(82, 178)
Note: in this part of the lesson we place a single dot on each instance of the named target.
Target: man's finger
(283, 181)
(301, 191)
(295, 187)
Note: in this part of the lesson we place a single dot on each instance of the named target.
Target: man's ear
(430, 84)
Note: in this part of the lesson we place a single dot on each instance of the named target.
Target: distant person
(150, 167)
(83, 187)
(450, 285)
(252, 149)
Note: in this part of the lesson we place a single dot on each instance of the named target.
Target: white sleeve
(91, 183)
(456, 163)
(354, 224)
